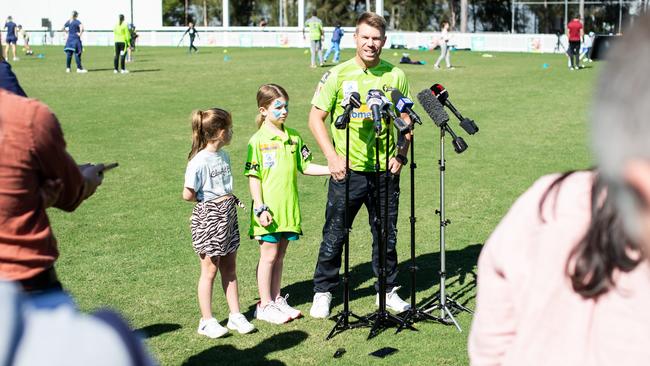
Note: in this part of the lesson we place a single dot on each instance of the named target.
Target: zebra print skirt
(214, 227)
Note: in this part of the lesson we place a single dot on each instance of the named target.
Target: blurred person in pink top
(565, 277)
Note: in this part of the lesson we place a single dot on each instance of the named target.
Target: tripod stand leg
(458, 306)
(452, 319)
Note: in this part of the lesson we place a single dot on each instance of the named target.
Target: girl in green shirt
(276, 154)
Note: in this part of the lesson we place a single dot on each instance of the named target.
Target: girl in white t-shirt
(215, 233)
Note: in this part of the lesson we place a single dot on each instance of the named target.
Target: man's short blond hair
(373, 20)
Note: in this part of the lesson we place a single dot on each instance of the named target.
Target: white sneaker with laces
(271, 313)
(283, 305)
(82, 71)
(211, 328)
(239, 323)
(320, 307)
(394, 302)
(125, 71)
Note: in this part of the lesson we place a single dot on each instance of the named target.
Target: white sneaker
(125, 71)
(16, 59)
(281, 303)
(436, 67)
(320, 307)
(115, 71)
(211, 328)
(67, 70)
(82, 71)
(239, 323)
(394, 302)
(271, 313)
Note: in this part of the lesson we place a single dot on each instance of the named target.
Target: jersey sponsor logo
(305, 152)
(361, 114)
(269, 147)
(268, 159)
(254, 166)
(349, 87)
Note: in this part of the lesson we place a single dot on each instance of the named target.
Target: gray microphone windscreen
(433, 107)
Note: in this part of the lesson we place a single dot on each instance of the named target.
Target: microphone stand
(447, 305)
(381, 318)
(414, 314)
(343, 318)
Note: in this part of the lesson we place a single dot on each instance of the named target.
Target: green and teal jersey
(350, 77)
(121, 33)
(315, 27)
(276, 161)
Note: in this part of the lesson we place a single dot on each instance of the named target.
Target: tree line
(412, 15)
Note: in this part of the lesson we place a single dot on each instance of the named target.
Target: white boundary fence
(283, 37)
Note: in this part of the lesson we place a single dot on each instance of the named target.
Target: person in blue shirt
(12, 38)
(74, 29)
(336, 44)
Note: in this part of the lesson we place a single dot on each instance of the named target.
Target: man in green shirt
(364, 72)
(316, 37)
(122, 42)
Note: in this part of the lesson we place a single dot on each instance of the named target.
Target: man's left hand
(395, 166)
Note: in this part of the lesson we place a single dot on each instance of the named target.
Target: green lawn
(128, 247)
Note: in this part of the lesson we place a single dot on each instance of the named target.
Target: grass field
(128, 247)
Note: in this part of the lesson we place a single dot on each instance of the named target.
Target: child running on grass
(276, 154)
(215, 233)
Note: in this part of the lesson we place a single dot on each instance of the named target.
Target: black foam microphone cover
(432, 106)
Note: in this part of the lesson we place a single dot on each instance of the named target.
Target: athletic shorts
(316, 45)
(214, 227)
(11, 40)
(275, 237)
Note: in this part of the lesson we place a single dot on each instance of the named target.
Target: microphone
(437, 113)
(443, 97)
(373, 100)
(352, 100)
(433, 108)
(404, 105)
(399, 123)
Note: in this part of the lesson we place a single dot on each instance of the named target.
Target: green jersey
(315, 26)
(350, 77)
(276, 161)
(121, 33)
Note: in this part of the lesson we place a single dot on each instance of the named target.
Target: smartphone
(110, 166)
(383, 352)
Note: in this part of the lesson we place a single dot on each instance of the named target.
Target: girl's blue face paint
(279, 107)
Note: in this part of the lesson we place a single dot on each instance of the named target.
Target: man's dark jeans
(362, 192)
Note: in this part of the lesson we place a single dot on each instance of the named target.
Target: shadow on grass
(95, 70)
(461, 278)
(144, 70)
(154, 330)
(229, 355)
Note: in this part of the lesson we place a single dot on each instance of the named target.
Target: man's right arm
(335, 163)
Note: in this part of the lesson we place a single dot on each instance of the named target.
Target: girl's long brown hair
(605, 247)
(206, 126)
